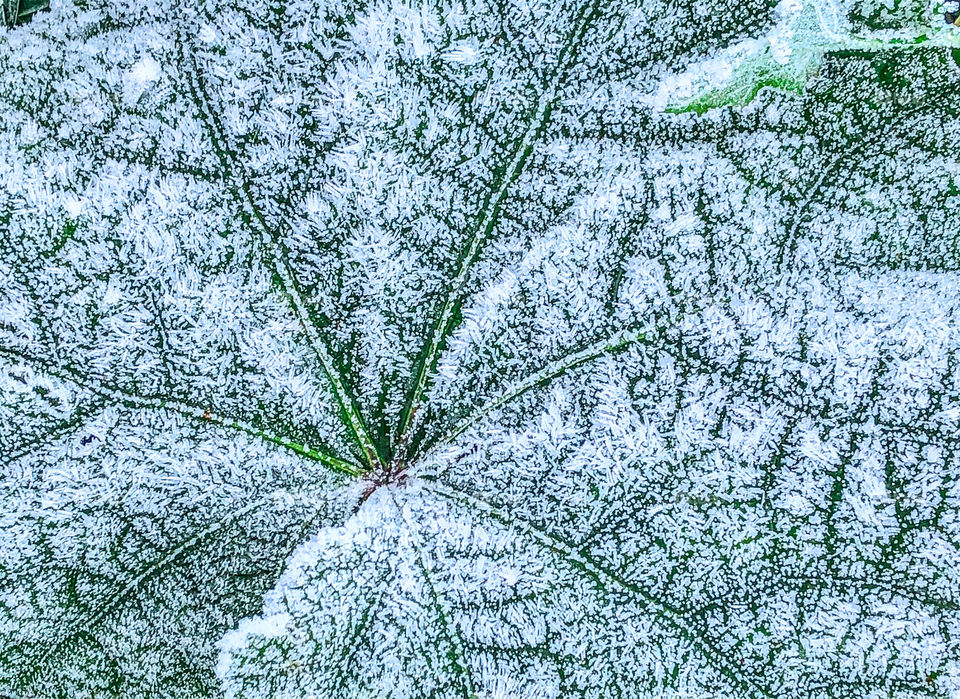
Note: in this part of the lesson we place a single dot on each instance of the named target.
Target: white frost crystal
(384, 348)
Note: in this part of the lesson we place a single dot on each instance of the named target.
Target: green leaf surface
(392, 349)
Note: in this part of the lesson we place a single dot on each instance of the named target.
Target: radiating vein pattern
(394, 349)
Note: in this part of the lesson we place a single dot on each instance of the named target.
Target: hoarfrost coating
(397, 349)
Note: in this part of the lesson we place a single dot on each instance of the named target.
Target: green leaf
(786, 58)
(377, 349)
(14, 12)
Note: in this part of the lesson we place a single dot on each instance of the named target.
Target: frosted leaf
(804, 31)
(395, 349)
(133, 537)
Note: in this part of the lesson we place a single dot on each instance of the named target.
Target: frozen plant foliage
(397, 349)
(803, 32)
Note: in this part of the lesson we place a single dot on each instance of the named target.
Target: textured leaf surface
(385, 349)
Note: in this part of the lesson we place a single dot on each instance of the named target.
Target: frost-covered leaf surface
(398, 349)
